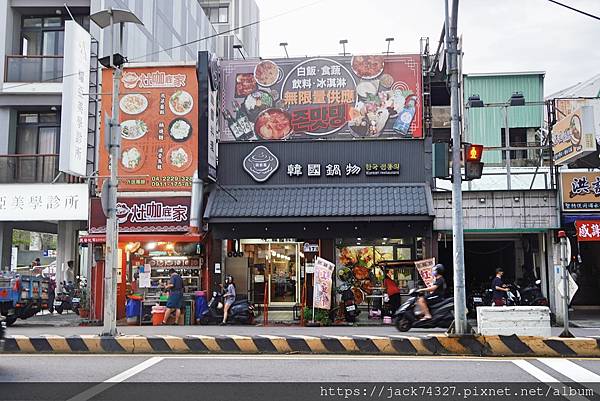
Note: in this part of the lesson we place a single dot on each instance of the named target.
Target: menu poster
(159, 128)
(322, 98)
(424, 268)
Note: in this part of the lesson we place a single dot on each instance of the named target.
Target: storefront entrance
(274, 267)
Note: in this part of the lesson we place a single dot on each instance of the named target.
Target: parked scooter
(66, 300)
(442, 314)
(513, 296)
(475, 299)
(349, 304)
(532, 295)
(241, 311)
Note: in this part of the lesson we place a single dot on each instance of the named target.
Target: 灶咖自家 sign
(145, 215)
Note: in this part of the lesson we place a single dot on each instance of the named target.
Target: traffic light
(473, 164)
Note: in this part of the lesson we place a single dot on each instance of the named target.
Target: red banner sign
(588, 230)
(145, 215)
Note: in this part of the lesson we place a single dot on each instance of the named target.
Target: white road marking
(538, 373)
(121, 377)
(571, 370)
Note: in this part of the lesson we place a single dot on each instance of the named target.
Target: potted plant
(84, 305)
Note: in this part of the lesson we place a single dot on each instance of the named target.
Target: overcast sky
(498, 35)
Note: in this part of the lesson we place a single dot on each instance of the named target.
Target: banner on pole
(323, 283)
(424, 268)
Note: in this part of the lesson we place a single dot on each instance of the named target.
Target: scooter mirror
(538, 282)
(214, 293)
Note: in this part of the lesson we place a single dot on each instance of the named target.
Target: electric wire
(574, 9)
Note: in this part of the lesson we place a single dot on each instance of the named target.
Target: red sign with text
(588, 230)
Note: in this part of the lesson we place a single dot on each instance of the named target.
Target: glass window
(32, 43)
(32, 23)
(53, 22)
(53, 43)
(48, 117)
(28, 118)
(213, 14)
(223, 14)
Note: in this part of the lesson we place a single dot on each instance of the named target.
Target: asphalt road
(124, 377)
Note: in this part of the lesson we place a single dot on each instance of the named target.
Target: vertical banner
(424, 268)
(323, 283)
(75, 100)
(208, 123)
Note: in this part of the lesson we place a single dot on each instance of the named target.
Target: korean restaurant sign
(144, 215)
(33, 202)
(573, 137)
(580, 191)
(159, 128)
(75, 101)
(588, 230)
(322, 98)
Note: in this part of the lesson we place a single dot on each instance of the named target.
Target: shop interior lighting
(151, 245)
(358, 239)
(170, 246)
(170, 257)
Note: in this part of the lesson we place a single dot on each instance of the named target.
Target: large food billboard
(322, 98)
(159, 128)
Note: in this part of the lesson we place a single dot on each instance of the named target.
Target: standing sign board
(75, 100)
(159, 128)
(424, 268)
(323, 270)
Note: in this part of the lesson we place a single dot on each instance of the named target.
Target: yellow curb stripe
(93, 343)
(497, 347)
(280, 343)
(24, 343)
(244, 343)
(538, 346)
(209, 342)
(314, 343)
(452, 345)
(137, 344)
(419, 345)
(383, 344)
(127, 342)
(347, 342)
(176, 343)
(58, 343)
(581, 346)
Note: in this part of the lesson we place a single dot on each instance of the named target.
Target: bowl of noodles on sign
(273, 124)
(181, 103)
(179, 158)
(131, 159)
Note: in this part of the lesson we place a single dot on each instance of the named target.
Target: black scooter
(241, 311)
(532, 295)
(351, 311)
(442, 314)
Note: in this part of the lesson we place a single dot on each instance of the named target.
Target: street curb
(434, 345)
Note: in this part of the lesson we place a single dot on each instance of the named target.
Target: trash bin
(133, 310)
(158, 315)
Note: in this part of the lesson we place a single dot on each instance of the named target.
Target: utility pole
(564, 261)
(460, 313)
(507, 144)
(104, 19)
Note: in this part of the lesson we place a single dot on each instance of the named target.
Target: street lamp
(104, 19)
(343, 43)
(389, 41)
(284, 45)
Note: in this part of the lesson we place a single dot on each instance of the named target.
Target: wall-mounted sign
(338, 97)
(159, 128)
(145, 215)
(42, 202)
(580, 191)
(308, 247)
(574, 136)
(75, 100)
(261, 163)
(588, 230)
(208, 117)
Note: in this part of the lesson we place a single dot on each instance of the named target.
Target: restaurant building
(319, 157)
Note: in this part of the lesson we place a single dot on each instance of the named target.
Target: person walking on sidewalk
(174, 302)
(228, 297)
(499, 289)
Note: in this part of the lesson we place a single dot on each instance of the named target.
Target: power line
(575, 9)
(231, 30)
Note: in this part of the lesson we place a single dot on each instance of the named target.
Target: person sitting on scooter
(499, 289)
(228, 297)
(436, 292)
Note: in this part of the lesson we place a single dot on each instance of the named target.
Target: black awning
(373, 202)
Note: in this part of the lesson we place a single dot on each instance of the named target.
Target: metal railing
(33, 68)
(30, 168)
